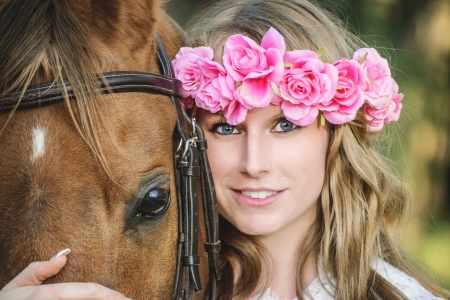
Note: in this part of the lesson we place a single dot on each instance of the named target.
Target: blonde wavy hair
(362, 201)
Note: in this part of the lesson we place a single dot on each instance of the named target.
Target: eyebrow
(210, 117)
(278, 117)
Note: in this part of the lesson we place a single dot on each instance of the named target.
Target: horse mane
(44, 40)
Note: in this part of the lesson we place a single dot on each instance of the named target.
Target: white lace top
(406, 284)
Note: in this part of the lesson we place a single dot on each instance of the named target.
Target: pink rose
(375, 117)
(349, 96)
(307, 79)
(186, 68)
(307, 82)
(217, 89)
(379, 87)
(394, 106)
(254, 93)
(299, 114)
(187, 102)
(254, 67)
(235, 112)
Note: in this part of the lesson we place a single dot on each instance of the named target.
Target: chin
(256, 227)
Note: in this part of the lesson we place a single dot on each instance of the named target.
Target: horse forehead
(149, 117)
(37, 143)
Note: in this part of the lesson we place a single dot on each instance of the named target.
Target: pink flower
(378, 91)
(394, 106)
(350, 93)
(375, 117)
(299, 114)
(186, 68)
(187, 102)
(254, 67)
(307, 83)
(217, 89)
(254, 93)
(235, 112)
(307, 79)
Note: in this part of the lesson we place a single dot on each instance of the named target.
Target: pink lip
(257, 203)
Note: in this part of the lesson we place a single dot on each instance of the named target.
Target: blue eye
(284, 125)
(225, 129)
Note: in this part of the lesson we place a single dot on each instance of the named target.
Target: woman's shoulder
(406, 284)
(321, 288)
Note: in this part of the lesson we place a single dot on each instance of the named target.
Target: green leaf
(223, 51)
(288, 64)
(275, 89)
(320, 52)
(238, 84)
(322, 120)
(363, 59)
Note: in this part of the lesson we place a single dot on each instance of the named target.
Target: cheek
(305, 162)
(214, 155)
(225, 157)
(222, 159)
(222, 167)
(317, 166)
(305, 167)
(214, 162)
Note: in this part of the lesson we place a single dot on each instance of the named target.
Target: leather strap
(118, 82)
(178, 294)
(211, 215)
(189, 187)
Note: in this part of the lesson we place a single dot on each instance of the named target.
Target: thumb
(37, 272)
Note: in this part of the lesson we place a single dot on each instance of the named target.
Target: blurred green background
(415, 34)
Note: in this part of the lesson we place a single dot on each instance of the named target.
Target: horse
(95, 170)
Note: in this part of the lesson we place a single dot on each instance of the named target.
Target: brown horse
(74, 174)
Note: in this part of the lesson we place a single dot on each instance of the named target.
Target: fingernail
(62, 252)
(128, 298)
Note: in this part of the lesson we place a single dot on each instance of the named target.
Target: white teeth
(258, 195)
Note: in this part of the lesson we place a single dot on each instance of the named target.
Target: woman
(309, 209)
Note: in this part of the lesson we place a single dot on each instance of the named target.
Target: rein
(191, 164)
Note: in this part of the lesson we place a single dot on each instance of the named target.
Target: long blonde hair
(362, 201)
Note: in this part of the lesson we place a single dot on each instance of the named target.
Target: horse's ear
(127, 28)
(119, 18)
(171, 33)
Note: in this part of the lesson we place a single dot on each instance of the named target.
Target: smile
(258, 195)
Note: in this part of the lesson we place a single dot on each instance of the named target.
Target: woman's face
(267, 171)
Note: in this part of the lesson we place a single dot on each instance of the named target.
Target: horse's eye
(155, 202)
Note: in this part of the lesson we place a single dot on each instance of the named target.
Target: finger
(63, 291)
(37, 272)
(75, 291)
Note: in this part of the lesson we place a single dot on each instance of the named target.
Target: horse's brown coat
(65, 198)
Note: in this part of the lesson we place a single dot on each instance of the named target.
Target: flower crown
(252, 75)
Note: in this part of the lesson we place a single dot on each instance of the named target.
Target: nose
(256, 159)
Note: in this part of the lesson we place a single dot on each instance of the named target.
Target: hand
(28, 284)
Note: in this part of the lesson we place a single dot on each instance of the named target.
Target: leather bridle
(191, 164)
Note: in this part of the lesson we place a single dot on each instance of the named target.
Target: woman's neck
(282, 250)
